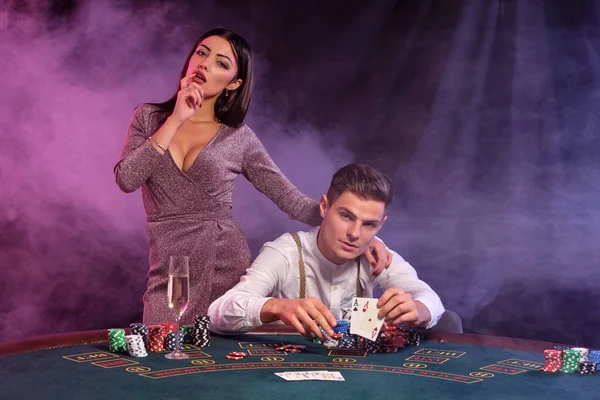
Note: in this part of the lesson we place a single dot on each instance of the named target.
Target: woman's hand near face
(189, 98)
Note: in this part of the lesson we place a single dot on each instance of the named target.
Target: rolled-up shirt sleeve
(238, 310)
(400, 274)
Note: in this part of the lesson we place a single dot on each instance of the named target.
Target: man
(326, 264)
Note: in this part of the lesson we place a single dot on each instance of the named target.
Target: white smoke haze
(74, 242)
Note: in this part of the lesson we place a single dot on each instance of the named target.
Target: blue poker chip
(341, 326)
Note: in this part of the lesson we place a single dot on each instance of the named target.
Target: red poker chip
(282, 348)
(290, 350)
(234, 357)
(237, 354)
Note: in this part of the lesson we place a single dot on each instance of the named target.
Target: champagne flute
(178, 296)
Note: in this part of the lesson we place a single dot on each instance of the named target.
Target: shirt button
(335, 287)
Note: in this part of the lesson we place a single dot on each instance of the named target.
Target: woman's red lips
(200, 76)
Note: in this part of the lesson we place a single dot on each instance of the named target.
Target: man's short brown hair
(363, 181)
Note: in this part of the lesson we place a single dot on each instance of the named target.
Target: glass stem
(176, 333)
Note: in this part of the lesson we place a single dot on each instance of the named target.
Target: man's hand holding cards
(395, 306)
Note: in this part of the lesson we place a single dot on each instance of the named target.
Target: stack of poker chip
(588, 367)
(359, 341)
(414, 337)
(388, 338)
(330, 341)
(583, 353)
(236, 355)
(552, 360)
(135, 345)
(391, 339)
(156, 338)
(201, 334)
(370, 346)
(373, 346)
(570, 361)
(188, 333)
(116, 341)
(594, 356)
(567, 359)
(346, 342)
(342, 326)
(343, 338)
(401, 339)
(290, 348)
(140, 329)
(168, 327)
(171, 341)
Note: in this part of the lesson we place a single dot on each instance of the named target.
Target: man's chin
(347, 255)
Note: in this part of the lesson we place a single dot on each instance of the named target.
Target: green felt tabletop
(432, 370)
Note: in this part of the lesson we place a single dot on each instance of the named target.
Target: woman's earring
(226, 93)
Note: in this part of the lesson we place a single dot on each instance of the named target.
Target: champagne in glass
(178, 292)
(178, 296)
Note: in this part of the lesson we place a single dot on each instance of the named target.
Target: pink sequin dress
(190, 213)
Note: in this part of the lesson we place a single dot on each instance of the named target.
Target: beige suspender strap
(300, 266)
(359, 289)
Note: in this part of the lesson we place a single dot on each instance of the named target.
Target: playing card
(371, 325)
(311, 375)
(282, 375)
(360, 305)
(290, 376)
(331, 376)
(336, 376)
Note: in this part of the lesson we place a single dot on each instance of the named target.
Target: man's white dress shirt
(275, 273)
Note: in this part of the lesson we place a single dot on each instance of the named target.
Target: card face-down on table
(364, 321)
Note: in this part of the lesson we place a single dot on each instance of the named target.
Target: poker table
(444, 366)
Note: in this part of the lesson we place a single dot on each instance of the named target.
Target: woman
(185, 154)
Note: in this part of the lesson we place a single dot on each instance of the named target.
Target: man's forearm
(424, 314)
(270, 311)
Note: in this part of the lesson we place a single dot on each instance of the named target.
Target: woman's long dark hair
(231, 109)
